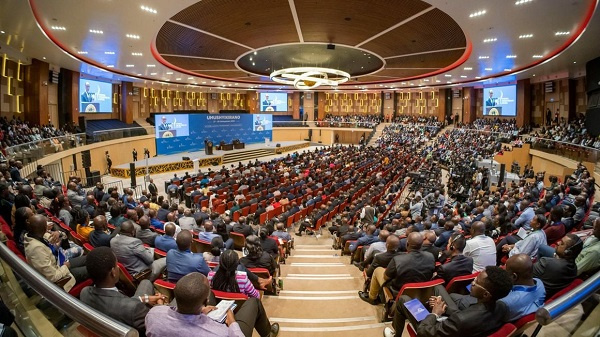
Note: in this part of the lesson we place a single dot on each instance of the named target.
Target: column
(36, 92)
(126, 102)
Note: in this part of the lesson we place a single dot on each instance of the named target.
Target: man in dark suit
(428, 244)
(459, 264)
(152, 188)
(87, 96)
(415, 266)
(557, 273)
(145, 234)
(384, 258)
(492, 284)
(101, 264)
(242, 228)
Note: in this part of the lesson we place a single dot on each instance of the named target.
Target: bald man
(166, 242)
(133, 255)
(144, 233)
(374, 248)
(528, 293)
(480, 248)
(100, 236)
(189, 317)
(182, 261)
(414, 266)
(383, 259)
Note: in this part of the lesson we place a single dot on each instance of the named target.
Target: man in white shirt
(480, 248)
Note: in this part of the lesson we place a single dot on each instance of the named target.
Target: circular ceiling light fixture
(306, 78)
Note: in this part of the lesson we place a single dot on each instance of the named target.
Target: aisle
(320, 294)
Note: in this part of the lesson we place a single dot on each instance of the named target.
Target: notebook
(220, 313)
(417, 309)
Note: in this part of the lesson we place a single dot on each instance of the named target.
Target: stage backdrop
(177, 133)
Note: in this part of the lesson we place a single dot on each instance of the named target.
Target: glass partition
(43, 309)
(104, 135)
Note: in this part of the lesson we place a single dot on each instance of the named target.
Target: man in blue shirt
(166, 242)
(527, 294)
(208, 234)
(182, 261)
(527, 213)
(365, 240)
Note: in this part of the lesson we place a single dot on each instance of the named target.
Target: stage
(175, 162)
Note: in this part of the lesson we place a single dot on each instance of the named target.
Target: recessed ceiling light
(463, 76)
(178, 79)
(448, 82)
(478, 13)
(153, 74)
(236, 84)
(204, 82)
(507, 69)
(109, 52)
(212, 81)
(110, 66)
(426, 80)
(133, 36)
(520, 2)
(562, 33)
(81, 52)
(169, 73)
(468, 68)
(148, 9)
(129, 65)
(484, 57)
(136, 54)
(96, 31)
(437, 81)
(2, 32)
(511, 56)
(488, 69)
(190, 78)
(525, 36)
(574, 61)
(488, 40)
(537, 56)
(44, 57)
(139, 74)
(533, 75)
(151, 65)
(448, 75)
(477, 77)
(58, 28)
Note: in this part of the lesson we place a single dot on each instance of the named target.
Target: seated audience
(257, 258)
(558, 272)
(189, 317)
(480, 248)
(182, 261)
(492, 284)
(101, 265)
(588, 260)
(131, 252)
(226, 277)
(144, 233)
(414, 266)
(166, 242)
(458, 265)
(527, 294)
(47, 257)
(100, 236)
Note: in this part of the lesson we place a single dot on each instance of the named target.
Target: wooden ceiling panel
(254, 23)
(431, 60)
(179, 40)
(197, 64)
(233, 74)
(434, 30)
(391, 74)
(327, 21)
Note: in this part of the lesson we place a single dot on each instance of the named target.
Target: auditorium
(296, 168)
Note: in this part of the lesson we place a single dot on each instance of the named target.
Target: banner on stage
(177, 133)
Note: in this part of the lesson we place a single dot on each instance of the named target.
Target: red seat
(245, 210)
(263, 218)
(239, 240)
(420, 290)
(165, 288)
(459, 284)
(506, 330)
(223, 295)
(87, 247)
(200, 246)
(76, 290)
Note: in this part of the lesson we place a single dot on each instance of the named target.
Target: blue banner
(177, 133)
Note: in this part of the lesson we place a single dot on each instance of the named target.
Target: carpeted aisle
(320, 294)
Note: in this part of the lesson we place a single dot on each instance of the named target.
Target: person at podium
(164, 125)
(87, 96)
(266, 103)
(491, 101)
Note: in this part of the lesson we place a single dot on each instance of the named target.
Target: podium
(493, 111)
(208, 148)
(90, 107)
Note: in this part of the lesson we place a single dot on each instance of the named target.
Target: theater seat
(239, 240)
(165, 288)
(76, 290)
(459, 284)
(421, 290)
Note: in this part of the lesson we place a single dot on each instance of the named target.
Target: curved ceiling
(419, 43)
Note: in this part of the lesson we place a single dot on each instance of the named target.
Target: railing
(89, 318)
(552, 311)
(104, 135)
(37, 149)
(325, 124)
